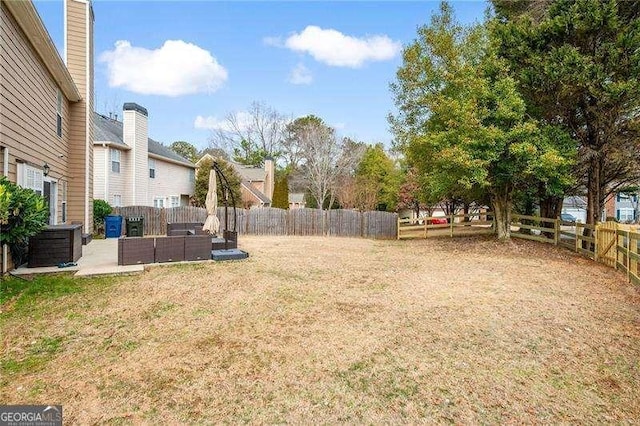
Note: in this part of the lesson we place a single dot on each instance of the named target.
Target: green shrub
(23, 213)
(101, 209)
(281, 193)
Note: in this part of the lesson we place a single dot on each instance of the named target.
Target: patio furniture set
(184, 241)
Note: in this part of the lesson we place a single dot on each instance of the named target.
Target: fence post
(615, 252)
(163, 221)
(578, 236)
(633, 250)
(628, 256)
(556, 237)
(398, 231)
(425, 228)
(452, 218)
(596, 236)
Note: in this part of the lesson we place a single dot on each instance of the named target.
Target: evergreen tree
(577, 65)
(202, 183)
(281, 192)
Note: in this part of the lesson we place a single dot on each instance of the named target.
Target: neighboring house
(46, 130)
(296, 200)
(256, 184)
(623, 207)
(130, 169)
(576, 206)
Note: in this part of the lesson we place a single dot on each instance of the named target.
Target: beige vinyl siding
(171, 180)
(81, 120)
(135, 134)
(100, 177)
(28, 105)
(120, 183)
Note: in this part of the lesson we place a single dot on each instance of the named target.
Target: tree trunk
(595, 202)
(551, 207)
(594, 191)
(501, 202)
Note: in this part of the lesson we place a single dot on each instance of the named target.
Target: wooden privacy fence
(273, 221)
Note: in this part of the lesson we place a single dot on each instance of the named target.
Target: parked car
(566, 217)
(439, 221)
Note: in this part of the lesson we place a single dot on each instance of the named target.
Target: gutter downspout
(5, 172)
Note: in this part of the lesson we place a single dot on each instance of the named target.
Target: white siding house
(132, 169)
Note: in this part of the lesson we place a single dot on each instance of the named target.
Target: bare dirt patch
(344, 330)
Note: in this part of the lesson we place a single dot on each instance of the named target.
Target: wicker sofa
(140, 250)
(185, 228)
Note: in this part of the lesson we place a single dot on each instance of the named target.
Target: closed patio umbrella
(212, 224)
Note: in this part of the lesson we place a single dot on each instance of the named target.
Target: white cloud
(273, 41)
(177, 68)
(337, 49)
(243, 122)
(300, 75)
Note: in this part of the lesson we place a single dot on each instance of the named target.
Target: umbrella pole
(224, 184)
(226, 220)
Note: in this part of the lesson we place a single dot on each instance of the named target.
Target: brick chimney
(269, 180)
(135, 133)
(78, 42)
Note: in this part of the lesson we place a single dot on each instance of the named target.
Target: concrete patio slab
(99, 257)
(44, 270)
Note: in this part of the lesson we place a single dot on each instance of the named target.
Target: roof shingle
(110, 130)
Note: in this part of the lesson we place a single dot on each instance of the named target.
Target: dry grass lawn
(334, 330)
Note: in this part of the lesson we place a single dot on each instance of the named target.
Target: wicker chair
(135, 250)
(197, 247)
(169, 249)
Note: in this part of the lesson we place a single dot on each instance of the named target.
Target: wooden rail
(613, 244)
(456, 225)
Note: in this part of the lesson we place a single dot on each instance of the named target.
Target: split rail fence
(613, 244)
(273, 221)
(457, 225)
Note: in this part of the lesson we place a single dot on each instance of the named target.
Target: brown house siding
(28, 107)
(80, 65)
(31, 76)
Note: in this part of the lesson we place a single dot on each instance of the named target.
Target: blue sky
(331, 59)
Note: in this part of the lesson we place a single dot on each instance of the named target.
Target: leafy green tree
(281, 192)
(23, 213)
(412, 195)
(379, 171)
(101, 209)
(202, 183)
(214, 152)
(185, 149)
(249, 154)
(577, 64)
(462, 121)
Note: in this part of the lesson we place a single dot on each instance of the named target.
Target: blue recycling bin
(112, 226)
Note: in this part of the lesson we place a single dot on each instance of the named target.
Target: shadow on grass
(19, 295)
(31, 299)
